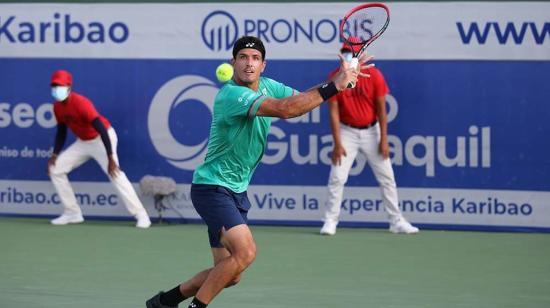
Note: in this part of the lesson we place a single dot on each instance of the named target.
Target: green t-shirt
(237, 136)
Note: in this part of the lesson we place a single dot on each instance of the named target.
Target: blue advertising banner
(457, 124)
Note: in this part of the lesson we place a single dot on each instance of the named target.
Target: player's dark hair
(249, 42)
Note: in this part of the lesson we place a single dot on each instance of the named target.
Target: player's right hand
(337, 153)
(345, 75)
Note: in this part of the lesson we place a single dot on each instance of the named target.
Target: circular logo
(219, 31)
(178, 91)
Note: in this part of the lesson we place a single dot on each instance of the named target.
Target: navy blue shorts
(219, 207)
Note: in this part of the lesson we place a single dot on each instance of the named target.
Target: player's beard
(248, 77)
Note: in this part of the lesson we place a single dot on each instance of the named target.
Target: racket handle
(353, 64)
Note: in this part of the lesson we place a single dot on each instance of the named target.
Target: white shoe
(329, 228)
(403, 226)
(143, 220)
(65, 219)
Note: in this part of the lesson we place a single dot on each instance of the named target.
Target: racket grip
(353, 64)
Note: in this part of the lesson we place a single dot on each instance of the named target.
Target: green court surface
(112, 264)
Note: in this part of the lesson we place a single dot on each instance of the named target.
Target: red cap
(62, 78)
(355, 48)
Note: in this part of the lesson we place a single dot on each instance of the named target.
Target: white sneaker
(329, 228)
(403, 226)
(65, 219)
(143, 220)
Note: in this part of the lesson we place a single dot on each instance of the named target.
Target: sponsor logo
(421, 151)
(177, 91)
(62, 28)
(220, 29)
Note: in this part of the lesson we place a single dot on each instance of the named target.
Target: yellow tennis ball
(224, 72)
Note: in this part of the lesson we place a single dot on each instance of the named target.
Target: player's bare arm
(292, 106)
(297, 105)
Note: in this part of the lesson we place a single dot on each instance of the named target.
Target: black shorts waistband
(361, 127)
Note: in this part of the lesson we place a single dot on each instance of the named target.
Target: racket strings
(365, 25)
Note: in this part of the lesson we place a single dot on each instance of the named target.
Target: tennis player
(238, 135)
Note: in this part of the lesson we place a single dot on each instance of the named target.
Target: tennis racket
(361, 26)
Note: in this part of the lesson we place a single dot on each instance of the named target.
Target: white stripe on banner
(454, 30)
(280, 204)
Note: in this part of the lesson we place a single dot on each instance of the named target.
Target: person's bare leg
(229, 262)
(191, 286)
(242, 251)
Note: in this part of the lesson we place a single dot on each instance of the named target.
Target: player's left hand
(112, 168)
